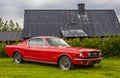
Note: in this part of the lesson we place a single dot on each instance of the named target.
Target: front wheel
(17, 58)
(65, 63)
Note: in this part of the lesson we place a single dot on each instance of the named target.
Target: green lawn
(108, 68)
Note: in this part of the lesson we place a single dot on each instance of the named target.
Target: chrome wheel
(65, 63)
(17, 57)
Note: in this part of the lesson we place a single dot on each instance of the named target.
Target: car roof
(44, 37)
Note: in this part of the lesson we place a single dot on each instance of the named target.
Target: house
(10, 36)
(70, 22)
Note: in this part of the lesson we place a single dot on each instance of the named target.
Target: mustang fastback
(53, 50)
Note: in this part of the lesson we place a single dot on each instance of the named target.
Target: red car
(53, 50)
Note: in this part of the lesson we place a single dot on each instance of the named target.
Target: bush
(2, 49)
(3, 45)
(110, 45)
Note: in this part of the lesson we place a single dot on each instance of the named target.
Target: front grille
(93, 54)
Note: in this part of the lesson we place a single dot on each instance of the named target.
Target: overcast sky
(14, 9)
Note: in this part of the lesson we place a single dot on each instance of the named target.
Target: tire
(17, 58)
(65, 63)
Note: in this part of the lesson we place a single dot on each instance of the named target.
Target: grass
(108, 68)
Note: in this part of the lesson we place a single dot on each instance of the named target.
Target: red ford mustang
(53, 50)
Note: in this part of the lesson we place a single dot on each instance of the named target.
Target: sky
(14, 9)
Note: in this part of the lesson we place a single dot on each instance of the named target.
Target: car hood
(77, 49)
(82, 49)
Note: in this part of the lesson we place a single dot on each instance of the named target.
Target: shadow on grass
(41, 64)
(88, 67)
(77, 67)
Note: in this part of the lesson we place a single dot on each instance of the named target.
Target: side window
(36, 42)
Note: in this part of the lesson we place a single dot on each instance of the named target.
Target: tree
(5, 27)
(9, 26)
(1, 24)
(17, 28)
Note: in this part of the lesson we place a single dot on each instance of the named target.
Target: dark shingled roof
(55, 22)
(10, 36)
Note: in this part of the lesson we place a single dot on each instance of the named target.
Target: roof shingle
(10, 36)
(51, 22)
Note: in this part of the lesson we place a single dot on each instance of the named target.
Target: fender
(65, 54)
(16, 50)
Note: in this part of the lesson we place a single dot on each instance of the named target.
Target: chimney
(81, 8)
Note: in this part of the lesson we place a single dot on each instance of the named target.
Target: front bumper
(88, 59)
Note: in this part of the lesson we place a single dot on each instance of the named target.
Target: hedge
(2, 49)
(110, 45)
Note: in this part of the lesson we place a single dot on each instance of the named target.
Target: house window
(73, 33)
(36, 42)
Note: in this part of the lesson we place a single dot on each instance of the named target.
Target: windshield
(56, 42)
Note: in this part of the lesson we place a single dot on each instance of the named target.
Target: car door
(54, 50)
(36, 49)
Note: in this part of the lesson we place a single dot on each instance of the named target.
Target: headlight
(81, 54)
(100, 53)
(89, 54)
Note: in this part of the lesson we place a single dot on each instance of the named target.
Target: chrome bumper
(88, 59)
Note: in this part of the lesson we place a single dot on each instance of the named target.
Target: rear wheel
(65, 63)
(18, 58)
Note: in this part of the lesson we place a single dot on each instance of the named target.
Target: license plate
(94, 54)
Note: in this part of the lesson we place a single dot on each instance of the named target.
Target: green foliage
(1, 23)
(2, 49)
(9, 26)
(3, 45)
(110, 45)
